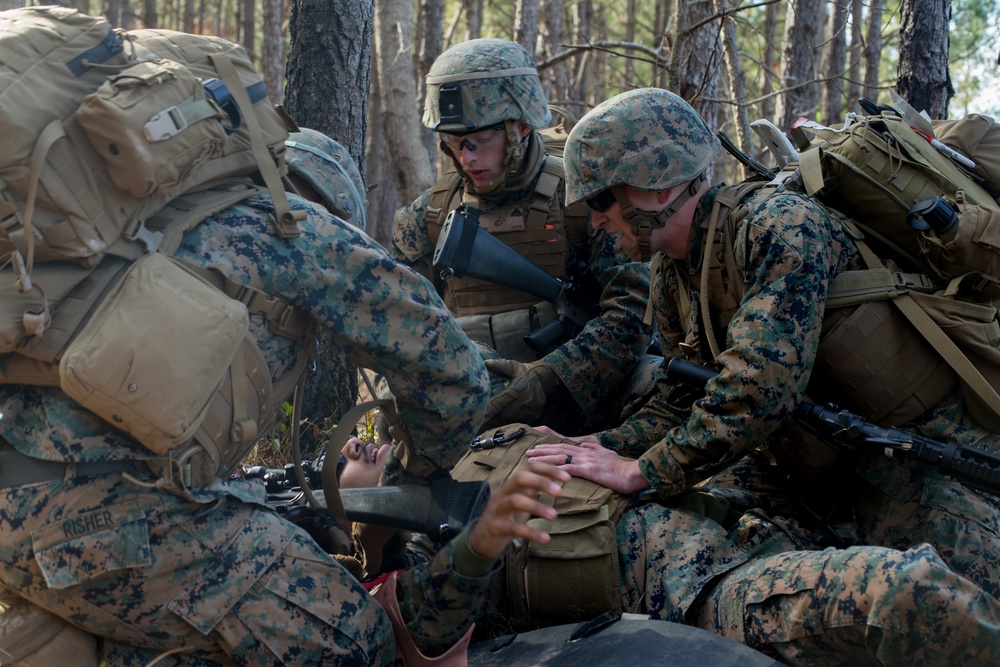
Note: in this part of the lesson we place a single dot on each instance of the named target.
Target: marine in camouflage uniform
(488, 88)
(88, 532)
(785, 251)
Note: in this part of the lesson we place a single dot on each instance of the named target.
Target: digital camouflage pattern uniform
(212, 569)
(759, 583)
(603, 368)
(787, 249)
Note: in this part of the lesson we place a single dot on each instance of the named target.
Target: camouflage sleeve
(441, 598)
(608, 348)
(786, 250)
(382, 314)
(410, 244)
(648, 425)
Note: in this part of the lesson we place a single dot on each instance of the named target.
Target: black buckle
(219, 93)
(498, 438)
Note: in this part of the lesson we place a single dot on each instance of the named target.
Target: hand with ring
(594, 462)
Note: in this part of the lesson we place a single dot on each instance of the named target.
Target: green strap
(850, 288)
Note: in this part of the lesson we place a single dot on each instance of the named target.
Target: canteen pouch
(573, 578)
(134, 365)
(154, 124)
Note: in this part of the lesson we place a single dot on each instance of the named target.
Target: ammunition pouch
(505, 332)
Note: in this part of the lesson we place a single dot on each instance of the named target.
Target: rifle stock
(440, 510)
(465, 249)
(975, 467)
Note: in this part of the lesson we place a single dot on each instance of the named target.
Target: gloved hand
(524, 398)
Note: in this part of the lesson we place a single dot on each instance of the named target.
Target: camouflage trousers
(857, 606)
(757, 582)
(908, 506)
(224, 582)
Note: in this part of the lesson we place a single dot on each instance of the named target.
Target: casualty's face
(363, 463)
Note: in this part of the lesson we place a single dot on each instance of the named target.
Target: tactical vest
(575, 576)
(875, 357)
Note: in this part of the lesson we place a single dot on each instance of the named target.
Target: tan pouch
(975, 329)
(153, 124)
(872, 362)
(154, 352)
(575, 576)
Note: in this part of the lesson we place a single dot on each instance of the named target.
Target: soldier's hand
(589, 460)
(505, 516)
(524, 398)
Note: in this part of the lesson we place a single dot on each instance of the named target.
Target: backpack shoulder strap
(718, 243)
(163, 230)
(443, 198)
(546, 191)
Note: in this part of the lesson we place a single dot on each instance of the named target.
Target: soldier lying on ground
(759, 580)
(431, 606)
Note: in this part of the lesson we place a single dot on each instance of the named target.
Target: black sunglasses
(602, 201)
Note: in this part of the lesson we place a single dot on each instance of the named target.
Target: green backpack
(906, 192)
(929, 232)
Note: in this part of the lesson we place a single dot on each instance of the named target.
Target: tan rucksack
(113, 145)
(101, 128)
(575, 576)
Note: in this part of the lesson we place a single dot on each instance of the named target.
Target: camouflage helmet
(483, 82)
(327, 166)
(648, 139)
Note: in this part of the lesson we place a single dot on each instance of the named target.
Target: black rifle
(977, 468)
(440, 510)
(464, 249)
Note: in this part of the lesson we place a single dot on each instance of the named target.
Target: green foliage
(972, 54)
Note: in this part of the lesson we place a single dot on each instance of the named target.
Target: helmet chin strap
(644, 222)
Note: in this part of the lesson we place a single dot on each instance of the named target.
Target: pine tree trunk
(411, 170)
(272, 59)
(800, 62)
(328, 73)
(923, 78)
